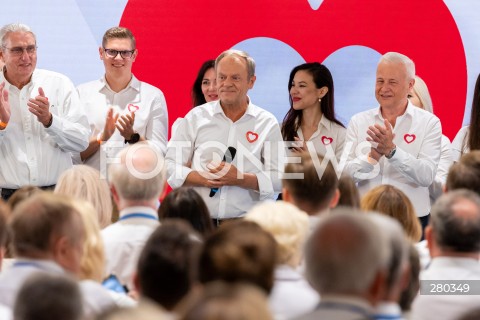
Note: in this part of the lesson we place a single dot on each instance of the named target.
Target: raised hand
(40, 107)
(4, 106)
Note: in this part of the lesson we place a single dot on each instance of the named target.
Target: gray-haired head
(14, 27)
(455, 221)
(242, 54)
(344, 246)
(396, 57)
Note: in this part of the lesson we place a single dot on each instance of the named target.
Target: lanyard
(345, 307)
(138, 215)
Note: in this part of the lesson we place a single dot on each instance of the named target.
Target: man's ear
(61, 251)
(378, 288)
(335, 199)
(114, 193)
(286, 196)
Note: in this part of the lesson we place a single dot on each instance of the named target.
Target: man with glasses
(121, 109)
(41, 117)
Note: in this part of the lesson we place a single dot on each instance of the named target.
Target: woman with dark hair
(311, 119)
(468, 138)
(186, 203)
(204, 88)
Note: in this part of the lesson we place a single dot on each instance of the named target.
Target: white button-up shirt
(412, 169)
(125, 239)
(148, 103)
(32, 154)
(328, 135)
(459, 144)
(206, 133)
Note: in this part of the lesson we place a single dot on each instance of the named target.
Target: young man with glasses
(41, 117)
(121, 109)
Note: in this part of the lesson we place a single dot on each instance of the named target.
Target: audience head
(47, 226)
(21, 194)
(186, 204)
(391, 201)
(145, 310)
(139, 178)
(4, 216)
(287, 224)
(344, 246)
(45, 296)
(204, 88)
(465, 174)
(349, 195)
(84, 182)
(228, 301)
(310, 184)
(399, 68)
(413, 286)
(168, 263)
(397, 272)
(473, 139)
(419, 96)
(92, 265)
(454, 226)
(239, 251)
(314, 82)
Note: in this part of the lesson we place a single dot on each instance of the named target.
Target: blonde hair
(84, 182)
(391, 201)
(287, 224)
(92, 266)
(421, 90)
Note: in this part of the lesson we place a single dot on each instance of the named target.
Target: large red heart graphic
(167, 32)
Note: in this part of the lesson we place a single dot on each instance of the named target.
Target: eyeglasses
(18, 51)
(125, 54)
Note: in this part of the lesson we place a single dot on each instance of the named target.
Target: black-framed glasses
(18, 51)
(125, 54)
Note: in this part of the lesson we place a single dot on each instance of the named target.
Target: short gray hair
(140, 175)
(344, 246)
(14, 27)
(242, 54)
(453, 230)
(401, 58)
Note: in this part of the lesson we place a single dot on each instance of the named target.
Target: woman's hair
(227, 301)
(349, 195)
(197, 94)
(287, 224)
(389, 200)
(186, 203)
(421, 90)
(322, 78)
(92, 266)
(84, 182)
(21, 194)
(473, 140)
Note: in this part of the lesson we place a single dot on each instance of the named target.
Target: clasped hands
(383, 137)
(222, 174)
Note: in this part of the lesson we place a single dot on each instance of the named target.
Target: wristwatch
(391, 153)
(134, 138)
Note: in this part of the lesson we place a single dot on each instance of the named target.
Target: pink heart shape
(252, 136)
(133, 108)
(409, 138)
(326, 140)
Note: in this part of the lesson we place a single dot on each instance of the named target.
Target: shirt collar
(134, 84)
(409, 111)
(252, 110)
(325, 122)
(47, 265)
(138, 209)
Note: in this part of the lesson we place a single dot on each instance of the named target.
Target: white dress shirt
(340, 307)
(413, 167)
(447, 307)
(148, 103)
(32, 154)
(291, 294)
(5, 313)
(459, 144)
(96, 299)
(328, 135)
(206, 133)
(446, 160)
(125, 239)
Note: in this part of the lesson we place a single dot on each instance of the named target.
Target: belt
(218, 222)
(7, 192)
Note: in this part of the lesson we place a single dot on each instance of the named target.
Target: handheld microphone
(228, 157)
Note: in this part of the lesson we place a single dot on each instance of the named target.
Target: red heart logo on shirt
(252, 136)
(409, 138)
(326, 140)
(133, 108)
